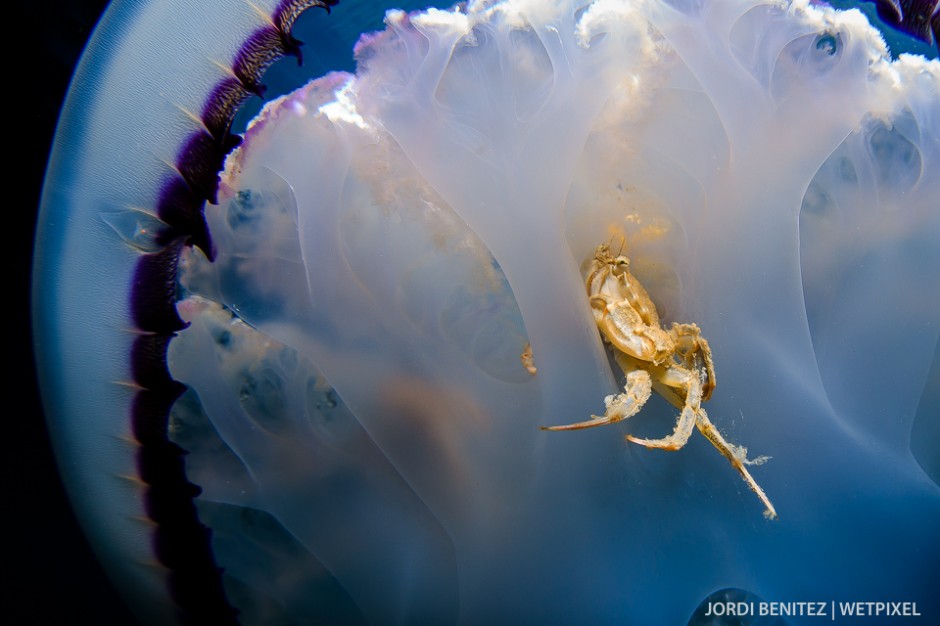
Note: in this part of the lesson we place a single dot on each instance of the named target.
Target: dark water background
(49, 575)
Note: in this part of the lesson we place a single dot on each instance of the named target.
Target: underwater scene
(514, 311)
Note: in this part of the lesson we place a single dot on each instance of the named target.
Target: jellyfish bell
(298, 394)
(920, 20)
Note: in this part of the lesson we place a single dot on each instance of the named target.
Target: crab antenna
(623, 243)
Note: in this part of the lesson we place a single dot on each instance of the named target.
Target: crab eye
(621, 266)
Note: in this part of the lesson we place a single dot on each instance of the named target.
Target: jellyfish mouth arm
(449, 86)
(779, 64)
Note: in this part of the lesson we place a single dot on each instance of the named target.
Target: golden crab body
(676, 363)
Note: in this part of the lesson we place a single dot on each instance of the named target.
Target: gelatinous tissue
(389, 243)
(408, 229)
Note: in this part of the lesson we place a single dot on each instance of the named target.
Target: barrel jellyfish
(297, 374)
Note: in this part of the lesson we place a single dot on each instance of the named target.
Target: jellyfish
(920, 20)
(297, 374)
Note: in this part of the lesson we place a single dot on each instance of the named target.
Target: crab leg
(637, 391)
(738, 457)
(678, 378)
(696, 353)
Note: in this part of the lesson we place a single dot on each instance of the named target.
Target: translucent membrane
(388, 244)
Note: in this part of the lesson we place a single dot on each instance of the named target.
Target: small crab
(676, 363)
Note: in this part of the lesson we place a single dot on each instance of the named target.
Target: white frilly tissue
(389, 242)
